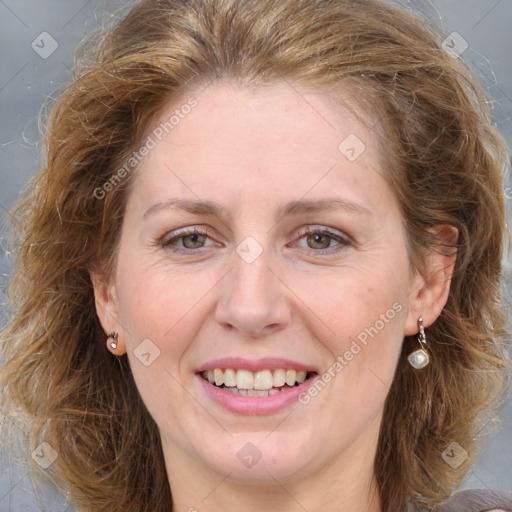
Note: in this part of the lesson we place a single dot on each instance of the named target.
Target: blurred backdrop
(37, 41)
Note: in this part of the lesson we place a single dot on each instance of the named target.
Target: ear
(106, 309)
(432, 284)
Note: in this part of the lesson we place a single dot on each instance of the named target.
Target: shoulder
(479, 500)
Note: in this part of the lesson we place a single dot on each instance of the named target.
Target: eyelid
(313, 230)
(342, 239)
(177, 234)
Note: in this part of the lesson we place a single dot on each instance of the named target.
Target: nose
(254, 299)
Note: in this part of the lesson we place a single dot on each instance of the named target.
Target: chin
(260, 457)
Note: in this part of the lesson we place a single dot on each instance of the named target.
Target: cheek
(160, 303)
(364, 338)
(353, 301)
(361, 326)
(160, 313)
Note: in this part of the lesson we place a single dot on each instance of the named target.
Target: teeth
(255, 392)
(279, 378)
(230, 378)
(219, 376)
(290, 377)
(301, 376)
(244, 379)
(263, 382)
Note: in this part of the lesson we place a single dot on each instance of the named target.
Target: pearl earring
(420, 358)
(113, 344)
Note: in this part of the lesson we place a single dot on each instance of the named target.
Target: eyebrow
(211, 208)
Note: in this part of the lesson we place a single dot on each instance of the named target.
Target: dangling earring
(113, 344)
(420, 358)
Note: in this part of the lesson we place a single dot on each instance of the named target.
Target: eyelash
(167, 242)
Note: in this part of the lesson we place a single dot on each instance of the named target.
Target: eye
(320, 239)
(191, 240)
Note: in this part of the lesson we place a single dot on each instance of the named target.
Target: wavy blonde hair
(443, 159)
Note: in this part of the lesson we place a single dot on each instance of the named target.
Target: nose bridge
(251, 272)
(253, 299)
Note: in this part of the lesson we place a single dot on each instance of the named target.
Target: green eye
(320, 239)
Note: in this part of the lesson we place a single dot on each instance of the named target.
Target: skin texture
(252, 152)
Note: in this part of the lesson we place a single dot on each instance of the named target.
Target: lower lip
(255, 405)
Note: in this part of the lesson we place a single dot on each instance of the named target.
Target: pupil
(190, 240)
(317, 239)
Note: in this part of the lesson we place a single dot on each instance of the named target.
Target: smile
(261, 383)
(265, 386)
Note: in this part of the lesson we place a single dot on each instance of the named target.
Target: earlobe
(115, 345)
(106, 309)
(432, 287)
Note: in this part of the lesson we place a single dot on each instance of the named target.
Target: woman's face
(304, 269)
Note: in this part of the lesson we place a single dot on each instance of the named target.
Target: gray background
(27, 80)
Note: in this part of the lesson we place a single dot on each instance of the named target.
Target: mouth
(265, 382)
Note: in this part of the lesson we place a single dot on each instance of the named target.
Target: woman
(260, 269)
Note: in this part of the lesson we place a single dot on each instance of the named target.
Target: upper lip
(266, 363)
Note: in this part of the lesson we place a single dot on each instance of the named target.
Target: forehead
(282, 124)
(280, 141)
(264, 110)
